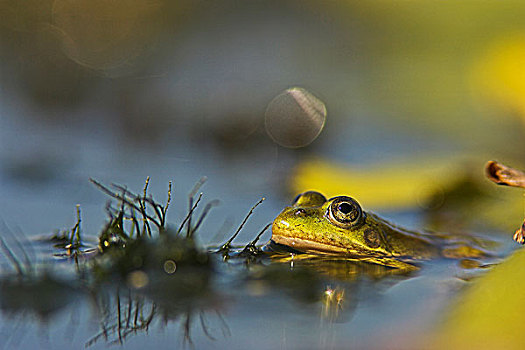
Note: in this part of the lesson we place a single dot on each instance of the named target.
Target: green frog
(339, 226)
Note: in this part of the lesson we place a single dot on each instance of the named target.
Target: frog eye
(345, 212)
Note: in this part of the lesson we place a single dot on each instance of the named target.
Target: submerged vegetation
(140, 271)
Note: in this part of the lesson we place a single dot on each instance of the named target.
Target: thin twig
(191, 196)
(124, 200)
(250, 248)
(142, 202)
(254, 242)
(190, 213)
(167, 202)
(77, 229)
(226, 246)
(156, 206)
(146, 186)
(135, 223)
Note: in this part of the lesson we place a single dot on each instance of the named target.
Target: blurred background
(396, 103)
(399, 104)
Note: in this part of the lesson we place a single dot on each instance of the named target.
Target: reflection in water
(18, 295)
(22, 280)
(29, 291)
(332, 283)
(125, 312)
(334, 303)
(192, 301)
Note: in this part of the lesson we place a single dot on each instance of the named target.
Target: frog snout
(280, 226)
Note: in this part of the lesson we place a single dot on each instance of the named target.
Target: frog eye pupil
(344, 208)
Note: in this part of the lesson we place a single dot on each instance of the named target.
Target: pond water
(267, 305)
(270, 304)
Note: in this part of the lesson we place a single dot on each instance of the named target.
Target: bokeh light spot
(137, 279)
(170, 267)
(105, 34)
(295, 118)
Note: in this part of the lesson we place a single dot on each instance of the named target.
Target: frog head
(332, 226)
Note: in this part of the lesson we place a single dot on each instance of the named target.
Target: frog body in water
(339, 226)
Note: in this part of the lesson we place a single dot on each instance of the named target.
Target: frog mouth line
(308, 246)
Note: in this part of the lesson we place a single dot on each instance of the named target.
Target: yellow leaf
(491, 312)
(393, 185)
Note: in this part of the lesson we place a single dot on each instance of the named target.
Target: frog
(339, 226)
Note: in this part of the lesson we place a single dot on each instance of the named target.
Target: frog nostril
(300, 212)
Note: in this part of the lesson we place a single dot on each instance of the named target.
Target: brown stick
(504, 175)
